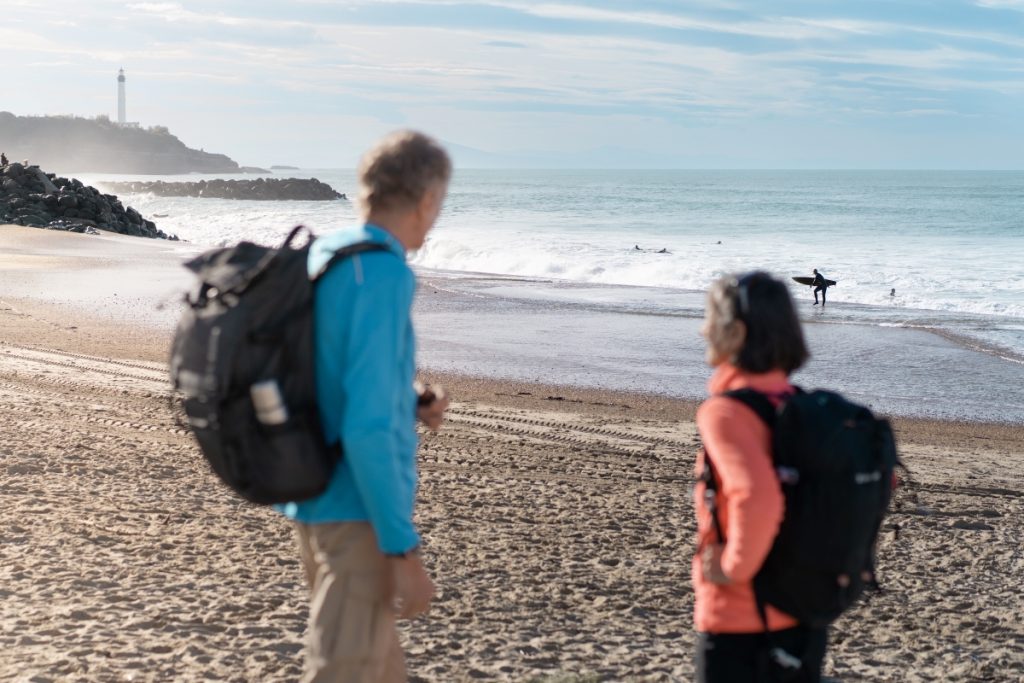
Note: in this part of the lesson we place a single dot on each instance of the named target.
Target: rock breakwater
(264, 189)
(30, 197)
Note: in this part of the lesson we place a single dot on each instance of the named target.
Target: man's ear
(429, 205)
(436, 197)
(423, 205)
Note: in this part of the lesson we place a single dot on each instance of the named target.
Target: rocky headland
(268, 189)
(30, 197)
(71, 143)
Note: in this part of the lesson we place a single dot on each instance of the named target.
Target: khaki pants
(352, 636)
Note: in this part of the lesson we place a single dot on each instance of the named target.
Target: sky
(603, 84)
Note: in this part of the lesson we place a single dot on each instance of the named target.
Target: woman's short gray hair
(774, 339)
(397, 172)
(722, 297)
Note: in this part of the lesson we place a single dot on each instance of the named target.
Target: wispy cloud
(1002, 4)
(604, 66)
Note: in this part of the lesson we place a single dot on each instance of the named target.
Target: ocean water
(950, 243)
(536, 275)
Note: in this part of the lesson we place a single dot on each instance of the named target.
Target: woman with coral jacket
(754, 341)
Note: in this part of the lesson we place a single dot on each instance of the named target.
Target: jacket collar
(375, 233)
(324, 247)
(728, 377)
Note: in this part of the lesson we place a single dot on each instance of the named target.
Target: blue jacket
(365, 359)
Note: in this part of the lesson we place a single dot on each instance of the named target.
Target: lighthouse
(121, 119)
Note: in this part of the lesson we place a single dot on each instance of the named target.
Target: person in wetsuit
(820, 285)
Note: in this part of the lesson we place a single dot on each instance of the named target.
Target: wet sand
(556, 520)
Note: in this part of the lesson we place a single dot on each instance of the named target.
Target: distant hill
(75, 144)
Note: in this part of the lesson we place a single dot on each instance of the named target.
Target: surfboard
(810, 281)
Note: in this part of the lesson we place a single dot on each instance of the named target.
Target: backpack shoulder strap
(764, 409)
(345, 252)
(756, 401)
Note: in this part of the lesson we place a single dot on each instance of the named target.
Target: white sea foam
(951, 244)
(695, 266)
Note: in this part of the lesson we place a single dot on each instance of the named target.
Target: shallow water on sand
(524, 330)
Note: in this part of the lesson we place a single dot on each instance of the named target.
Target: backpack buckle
(787, 667)
(788, 475)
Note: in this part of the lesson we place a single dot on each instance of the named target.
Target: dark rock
(40, 182)
(33, 198)
(266, 189)
(72, 226)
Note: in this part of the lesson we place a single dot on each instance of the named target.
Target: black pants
(747, 658)
(821, 289)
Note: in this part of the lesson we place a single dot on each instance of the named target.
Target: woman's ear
(735, 336)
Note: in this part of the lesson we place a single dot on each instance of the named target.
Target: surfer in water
(820, 285)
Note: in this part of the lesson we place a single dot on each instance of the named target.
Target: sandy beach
(557, 520)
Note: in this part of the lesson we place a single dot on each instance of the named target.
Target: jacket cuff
(398, 543)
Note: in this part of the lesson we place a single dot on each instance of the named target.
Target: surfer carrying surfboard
(820, 284)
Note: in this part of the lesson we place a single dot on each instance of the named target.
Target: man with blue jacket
(357, 540)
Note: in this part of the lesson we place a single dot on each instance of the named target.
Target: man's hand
(413, 588)
(711, 561)
(433, 403)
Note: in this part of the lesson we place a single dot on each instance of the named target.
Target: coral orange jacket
(750, 503)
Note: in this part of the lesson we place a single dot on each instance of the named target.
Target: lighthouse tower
(121, 119)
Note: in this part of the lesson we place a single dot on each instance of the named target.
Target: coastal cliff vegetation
(98, 145)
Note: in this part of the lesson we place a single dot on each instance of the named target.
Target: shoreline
(517, 330)
(25, 320)
(124, 287)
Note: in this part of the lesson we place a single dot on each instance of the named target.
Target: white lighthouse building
(121, 118)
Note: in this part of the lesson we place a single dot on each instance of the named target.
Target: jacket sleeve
(374, 415)
(749, 489)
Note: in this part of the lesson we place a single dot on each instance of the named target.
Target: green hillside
(69, 144)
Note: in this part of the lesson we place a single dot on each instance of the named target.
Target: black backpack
(249, 321)
(835, 463)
